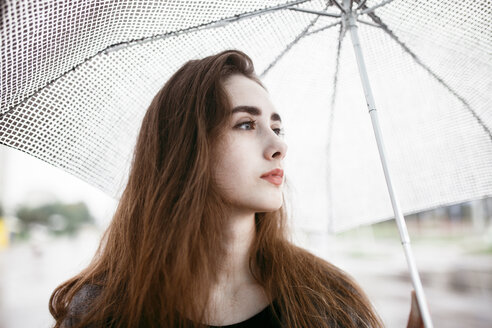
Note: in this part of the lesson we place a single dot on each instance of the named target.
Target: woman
(199, 236)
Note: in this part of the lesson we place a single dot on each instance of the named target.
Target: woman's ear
(415, 318)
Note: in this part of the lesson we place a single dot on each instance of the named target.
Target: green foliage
(58, 217)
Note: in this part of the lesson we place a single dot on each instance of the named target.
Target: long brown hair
(160, 254)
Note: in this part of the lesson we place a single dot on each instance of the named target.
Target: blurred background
(51, 223)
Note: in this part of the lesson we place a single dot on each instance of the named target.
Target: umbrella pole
(350, 22)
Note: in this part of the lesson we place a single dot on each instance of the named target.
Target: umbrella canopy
(77, 77)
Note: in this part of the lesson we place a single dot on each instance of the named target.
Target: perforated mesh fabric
(77, 77)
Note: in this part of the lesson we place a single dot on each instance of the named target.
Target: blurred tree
(4, 234)
(58, 217)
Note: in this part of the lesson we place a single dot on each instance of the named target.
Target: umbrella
(76, 78)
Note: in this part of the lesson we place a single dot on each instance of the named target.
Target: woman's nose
(276, 148)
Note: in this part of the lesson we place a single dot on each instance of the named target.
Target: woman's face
(249, 156)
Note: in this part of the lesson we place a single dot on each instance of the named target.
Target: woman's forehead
(246, 95)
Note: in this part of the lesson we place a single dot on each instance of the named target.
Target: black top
(265, 318)
(83, 298)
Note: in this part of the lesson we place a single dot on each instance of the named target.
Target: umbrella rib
(290, 45)
(126, 44)
(368, 23)
(324, 28)
(339, 6)
(337, 66)
(330, 125)
(370, 10)
(213, 24)
(316, 12)
(361, 4)
(419, 62)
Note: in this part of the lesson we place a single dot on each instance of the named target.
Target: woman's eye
(278, 131)
(250, 125)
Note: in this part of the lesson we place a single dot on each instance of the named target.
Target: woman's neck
(236, 295)
(235, 270)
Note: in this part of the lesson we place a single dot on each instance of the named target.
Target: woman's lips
(275, 177)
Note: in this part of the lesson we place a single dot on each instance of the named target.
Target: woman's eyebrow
(254, 111)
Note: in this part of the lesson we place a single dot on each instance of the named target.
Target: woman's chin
(271, 206)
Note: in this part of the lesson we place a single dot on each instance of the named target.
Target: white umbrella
(78, 76)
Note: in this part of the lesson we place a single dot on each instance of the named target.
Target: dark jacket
(80, 305)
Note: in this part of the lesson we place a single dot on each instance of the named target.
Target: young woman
(199, 237)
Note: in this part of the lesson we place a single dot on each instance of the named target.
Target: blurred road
(29, 272)
(458, 285)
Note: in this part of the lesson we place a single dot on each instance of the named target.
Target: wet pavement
(457, 283)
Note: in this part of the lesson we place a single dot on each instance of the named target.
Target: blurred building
(4, 233)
